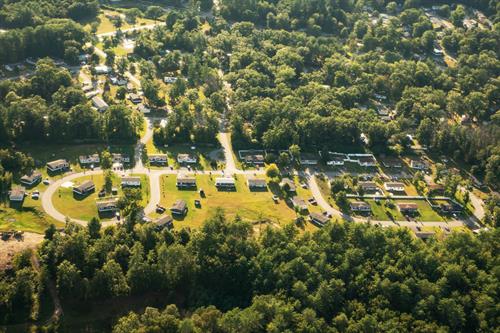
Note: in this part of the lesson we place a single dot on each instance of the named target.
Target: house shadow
(107, 215)
(80, 197)
(258, 189)
(17, 205)
(226, 189)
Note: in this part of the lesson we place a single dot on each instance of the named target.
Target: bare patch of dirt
(9, 248)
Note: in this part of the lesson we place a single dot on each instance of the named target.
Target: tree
(108, 181)
(106, 160)
(295, 152)
(94, 228)
(154, 12)
(272, 171)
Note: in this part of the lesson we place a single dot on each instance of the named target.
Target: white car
(46, 181)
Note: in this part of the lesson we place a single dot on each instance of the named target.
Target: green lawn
(383, 213)
(85, 208)
(105, 24)
(30, 217)
(203, 153)
(251, 206)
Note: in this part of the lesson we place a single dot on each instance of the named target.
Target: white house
(169, 79)
(107, 206)
(187, 158)
(131, 182)
(89, 159)
(158, 159)
(225, 182)
(336, 158)
(57, 165)
(120, 158)
(364, 160)
(394, 187)
(100, 70)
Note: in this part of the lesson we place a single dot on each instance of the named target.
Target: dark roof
(179, 206)
(368, 184)
(164, 221)
(106, 203)
(85, 186)
(290, 183)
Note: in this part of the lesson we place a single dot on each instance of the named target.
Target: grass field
(203, 153)
(85, 208)
(105, 24)
(382, 213)
(30, 217)
(250, 206)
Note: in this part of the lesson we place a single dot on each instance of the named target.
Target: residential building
(84, 188)
(135, 98)
(418, 165)
(225, 182)
(33, 178)
(308, 159)
(299, 203)
(407, 207)
(107, 206)
(158, 159)
(89, 159)
(364, 160)
(288, 185)
(436, 189)
(256, 183)
(120, 158)
(179, 207)
(143, 109)
(360, 206)
(392, 162)
(131, 182)
(169, 79)
(368, 186)
(335, 159)
(57, 165)
(256, 159)
(163, 222)
(100, 70)
(187, 159)
(17, 195)
(99, 104)
(319, 219)
(185, 181)
(394, 187)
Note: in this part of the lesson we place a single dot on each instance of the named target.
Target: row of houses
(364, 207)
(187, 182)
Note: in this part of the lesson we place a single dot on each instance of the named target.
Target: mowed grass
(248, 205)
(381, 212)
(202, 152)
(30, 217)
(85, 208)
(105, 24)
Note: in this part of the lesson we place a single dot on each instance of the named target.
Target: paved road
(225, 141)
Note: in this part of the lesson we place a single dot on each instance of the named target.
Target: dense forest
(23, 13)
(342, 278)
(50, 107)
(295, 84)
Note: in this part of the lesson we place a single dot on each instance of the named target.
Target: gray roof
(85, 186)
(257, 182)
(179, 206)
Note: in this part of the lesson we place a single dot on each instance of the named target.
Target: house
(436, 189)
(256, 159)
(16, 195)
(159, 159)
(418, 165)
(288, 185)
(299, 203)
(450, 208)
(335, 159)
(169, 79)
(118, 81)
(89, 159)
(185, 182)
(319, 219)
(107, 206)
(360, 206)
(99, 104)
(135, 98)
(29, 180)
(368, 186)
(131, 182)
(392, 162)
(57, 165)
(225, 182)
(308, 159)
(100, 70)
(394, 187)
(256, 183)
(143, 109)
(407, 207)
(187, 159)
(164, 222)
(120, 158)
(179, 207)
(364, 160)
(84, 188)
